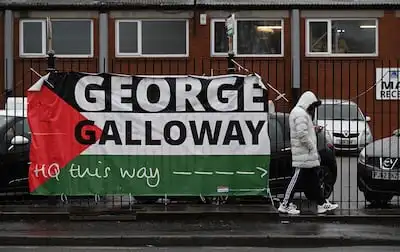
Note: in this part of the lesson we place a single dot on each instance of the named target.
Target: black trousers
(307, 179)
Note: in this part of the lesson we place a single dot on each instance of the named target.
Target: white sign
(230, 24)
(388, 83)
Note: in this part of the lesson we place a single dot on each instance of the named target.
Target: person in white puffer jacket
(305, 157)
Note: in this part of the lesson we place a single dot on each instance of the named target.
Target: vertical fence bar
(373, 110)
(194, 67)
(186, 66)
(202, 66)
(350, 131)
(332, 63)
(210, 69)
(382, 111)
(398, 113)
(317, 81)
(366, 85)
(358, 102)
(325, 130)
(317, 78)
(6, 78)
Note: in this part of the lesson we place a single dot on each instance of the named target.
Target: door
(17, 156)
(280, 168)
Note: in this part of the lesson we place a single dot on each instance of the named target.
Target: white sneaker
(327, 206)
(292, 206)
(288, 209)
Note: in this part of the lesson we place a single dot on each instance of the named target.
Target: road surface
(200, 249)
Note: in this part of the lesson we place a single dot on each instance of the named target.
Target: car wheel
(378, 198)
(327, 178)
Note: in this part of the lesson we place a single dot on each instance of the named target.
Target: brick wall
(346, 78)
(329, 77)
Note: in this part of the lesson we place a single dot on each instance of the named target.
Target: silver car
(346, 123)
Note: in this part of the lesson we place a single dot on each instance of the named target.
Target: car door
(17, 156)
(280, 167)
(286, 150)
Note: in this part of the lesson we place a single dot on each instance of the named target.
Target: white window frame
(44, 38)
(118, 54)
(329, 37)
(21, 38)
(219, 54)
(139, 38)
(215, 54)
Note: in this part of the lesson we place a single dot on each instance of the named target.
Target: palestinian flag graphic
(148, 135)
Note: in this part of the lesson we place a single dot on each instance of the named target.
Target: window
(342, 37)
(32, 37)
(70, 38)
(166, 38)
(251, 38)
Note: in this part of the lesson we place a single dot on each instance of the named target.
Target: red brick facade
(329, 77)
(347, 78)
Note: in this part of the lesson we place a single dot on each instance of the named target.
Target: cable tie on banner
(64, 198)
(203, 199)
(261, 83)
(165, 200)
(40, 76)
(131, 199)
(270, 197)
(281, 96)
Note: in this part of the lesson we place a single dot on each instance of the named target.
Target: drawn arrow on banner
(264, 171)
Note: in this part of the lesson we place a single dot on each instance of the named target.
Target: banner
(148, 135)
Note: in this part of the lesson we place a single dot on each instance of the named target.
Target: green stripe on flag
(160, 175)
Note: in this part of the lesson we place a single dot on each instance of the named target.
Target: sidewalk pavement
(183, 212)
(197, 233)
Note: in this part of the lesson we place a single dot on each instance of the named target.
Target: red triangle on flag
(52, 122)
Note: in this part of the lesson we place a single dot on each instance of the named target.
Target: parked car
(347, 124)
(378, 172)
(14, 151)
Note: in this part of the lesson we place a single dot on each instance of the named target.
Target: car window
(22, 127)
(10, 133)
(17, 128)
(275, 131)
(3, 120)
(339, 112)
